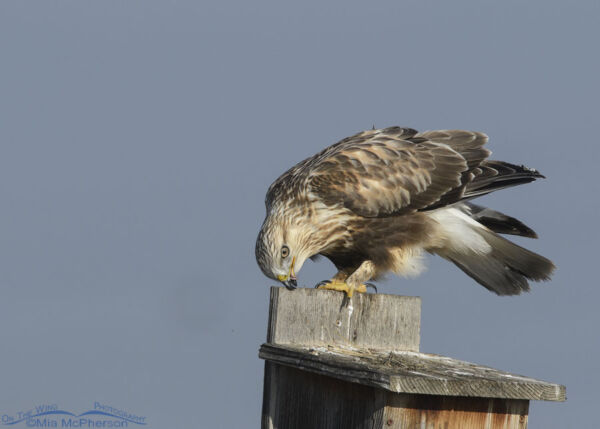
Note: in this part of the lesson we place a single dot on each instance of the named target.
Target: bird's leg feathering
(342, 275)
(365, 272)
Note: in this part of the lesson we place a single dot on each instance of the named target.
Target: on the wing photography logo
(52, 416)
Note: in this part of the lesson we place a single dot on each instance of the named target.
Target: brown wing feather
(468, 143)
(392, 171)
(470, 146)
(286, 184)
(387, 172)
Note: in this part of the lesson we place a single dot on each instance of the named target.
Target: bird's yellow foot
(344, 287)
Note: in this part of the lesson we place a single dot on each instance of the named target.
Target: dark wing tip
(532, 171)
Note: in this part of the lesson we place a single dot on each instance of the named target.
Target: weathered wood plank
(412, 372)
(321, 317)
(297, 399)
(430, 411)
(333, 363)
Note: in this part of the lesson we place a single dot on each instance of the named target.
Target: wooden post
(337, 363)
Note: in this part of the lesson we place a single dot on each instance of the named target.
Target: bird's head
(281, 249)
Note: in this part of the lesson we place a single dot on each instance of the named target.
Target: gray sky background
(138, 139)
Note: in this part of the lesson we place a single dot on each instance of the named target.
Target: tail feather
(498, 222)
(499, 265)
(506, 269)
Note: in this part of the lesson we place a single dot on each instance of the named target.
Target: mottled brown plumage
(373, 202)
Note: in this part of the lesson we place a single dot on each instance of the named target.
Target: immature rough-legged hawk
(373, 202)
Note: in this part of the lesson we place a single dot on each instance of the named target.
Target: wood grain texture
(412, 372)
(315, 317)
(404, 411)
(295, 399)
(333, 363)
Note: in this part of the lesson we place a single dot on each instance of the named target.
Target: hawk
(374, 202)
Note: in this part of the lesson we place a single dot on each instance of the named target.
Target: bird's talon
(372, 286)
(344, 287)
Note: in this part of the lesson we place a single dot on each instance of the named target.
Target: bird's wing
(396, 170)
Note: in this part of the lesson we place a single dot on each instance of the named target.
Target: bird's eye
(285, 251)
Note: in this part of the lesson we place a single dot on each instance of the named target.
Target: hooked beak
(289, 281)
(290, 284)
